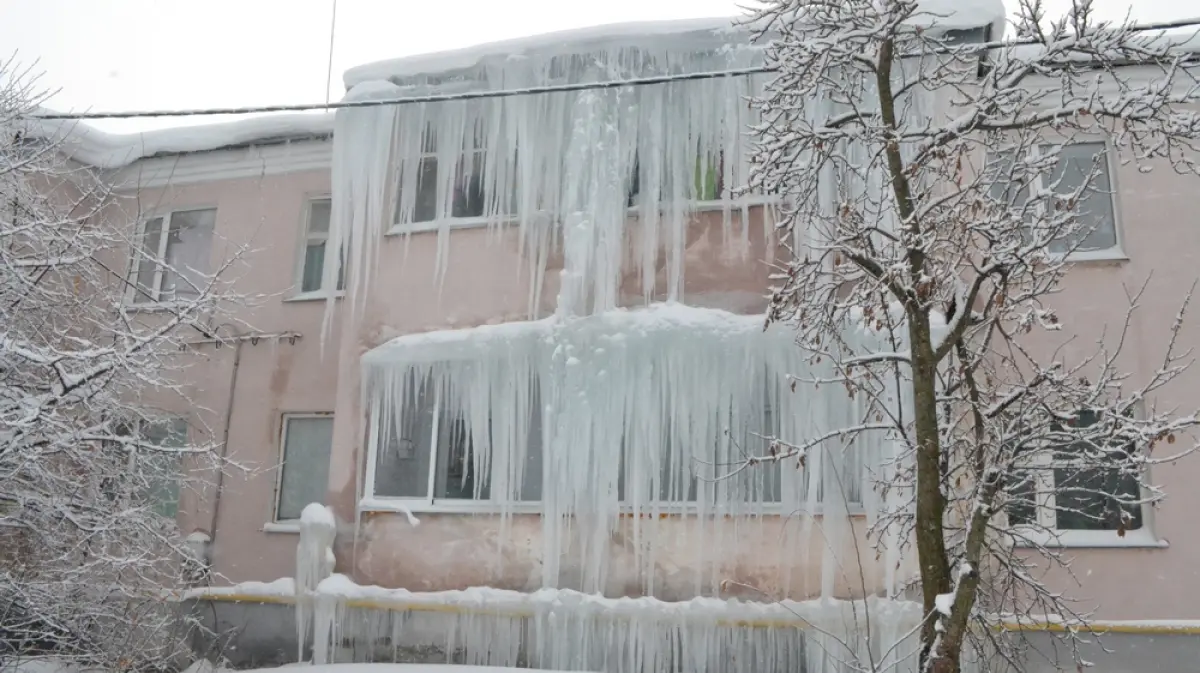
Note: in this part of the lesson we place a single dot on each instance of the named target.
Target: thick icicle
(314, 562)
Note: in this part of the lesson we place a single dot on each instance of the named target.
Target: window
(304, 475)
(316, 238)
(173, 258)
(428, 456)
(1073, 489)
(709, 180)
(156, 473)
(419, 198)
(1096, 229)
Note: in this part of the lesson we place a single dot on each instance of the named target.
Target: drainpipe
(233, 377)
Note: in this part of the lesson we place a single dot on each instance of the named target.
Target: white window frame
(134, 297)
(371, 502)
(274, 524)
(1040, 468)
(307, 236)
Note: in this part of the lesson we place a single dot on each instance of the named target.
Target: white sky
(103, 55)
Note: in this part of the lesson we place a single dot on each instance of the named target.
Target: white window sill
(152, 307)
(316, 295)
(1143, 538)
(292, 527)
(1109, 255)
(423, 506)
(500, 220)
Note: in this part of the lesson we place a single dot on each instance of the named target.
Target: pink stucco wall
(1157, 213)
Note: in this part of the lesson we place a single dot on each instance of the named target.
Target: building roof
(93, 147)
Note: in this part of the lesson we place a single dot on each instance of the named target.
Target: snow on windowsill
(1092, 539)
(315, 295)
(1108, 255)
(290, 526)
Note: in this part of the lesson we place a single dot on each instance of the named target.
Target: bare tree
(87, 552)
(937, 190)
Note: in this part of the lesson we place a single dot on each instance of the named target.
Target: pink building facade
(301, 399)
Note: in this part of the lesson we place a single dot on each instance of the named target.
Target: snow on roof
(698, 33)
(89, 145)
(563, 41)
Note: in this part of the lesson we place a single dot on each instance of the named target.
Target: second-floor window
(172, 261)
(316, 238)
(447, 185)
(1096, 230)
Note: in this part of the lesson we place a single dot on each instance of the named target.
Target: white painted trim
(229, 164)
(283, 431)
(317, 295)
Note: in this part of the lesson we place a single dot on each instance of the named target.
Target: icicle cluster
(314, 562)
(646, 412)
(562, 168)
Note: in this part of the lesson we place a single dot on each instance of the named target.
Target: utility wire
(329, 66)
(436, 98)
(535, 90)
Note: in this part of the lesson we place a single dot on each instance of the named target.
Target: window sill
(478, 222)
(1091, 539)
(319, 295)
(291, 527)
(419, 506)
(1110, 255)
(153, 307)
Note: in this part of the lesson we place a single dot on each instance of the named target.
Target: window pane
(305, 464)
(151, 237)
(1087, 499)
(163, 469)
(1097, 225)
(425, 208)
(314, 267)
(456, 478)
(318, 216)
(402, 466)
(531, 486)
(1022, 494)
(468, 187)
(189, 243)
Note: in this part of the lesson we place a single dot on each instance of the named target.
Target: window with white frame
(422, 198)
(172, 260)
(1095, 233)
(305, 445)
(430, 458)
(316, 240)
(1073, 488)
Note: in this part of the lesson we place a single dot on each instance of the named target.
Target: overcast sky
(155, 54)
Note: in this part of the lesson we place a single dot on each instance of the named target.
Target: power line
(435, 98)
(528, 91)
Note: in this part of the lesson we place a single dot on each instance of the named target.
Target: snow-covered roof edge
(91, 146)
(944, 14)
(573, 40)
